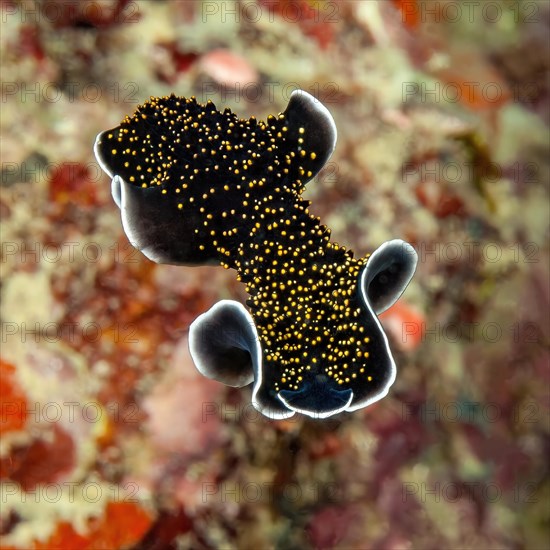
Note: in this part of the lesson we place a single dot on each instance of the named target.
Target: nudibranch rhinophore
(198, 186)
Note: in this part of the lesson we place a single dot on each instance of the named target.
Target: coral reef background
(109, 436)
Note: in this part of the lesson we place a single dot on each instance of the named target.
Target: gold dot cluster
(211, 165)
(305, 304)
(241, 183)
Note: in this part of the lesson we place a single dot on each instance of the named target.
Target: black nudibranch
(198, 186)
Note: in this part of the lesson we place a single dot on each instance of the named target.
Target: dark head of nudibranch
(200, 186)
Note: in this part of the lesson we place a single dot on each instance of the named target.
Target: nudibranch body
(199, 186)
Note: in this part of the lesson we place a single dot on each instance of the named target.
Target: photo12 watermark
(473, 491)
(72, 91)
(265, 92)
(253, 492)
(69, 412)
(491, 332)
(251, 11)
(470, 11)
(68, 252)
(470, 412)
(73, 332)
(456, 171)
(68, 491)
(55, 13)
(469, 91)
(469, 252)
